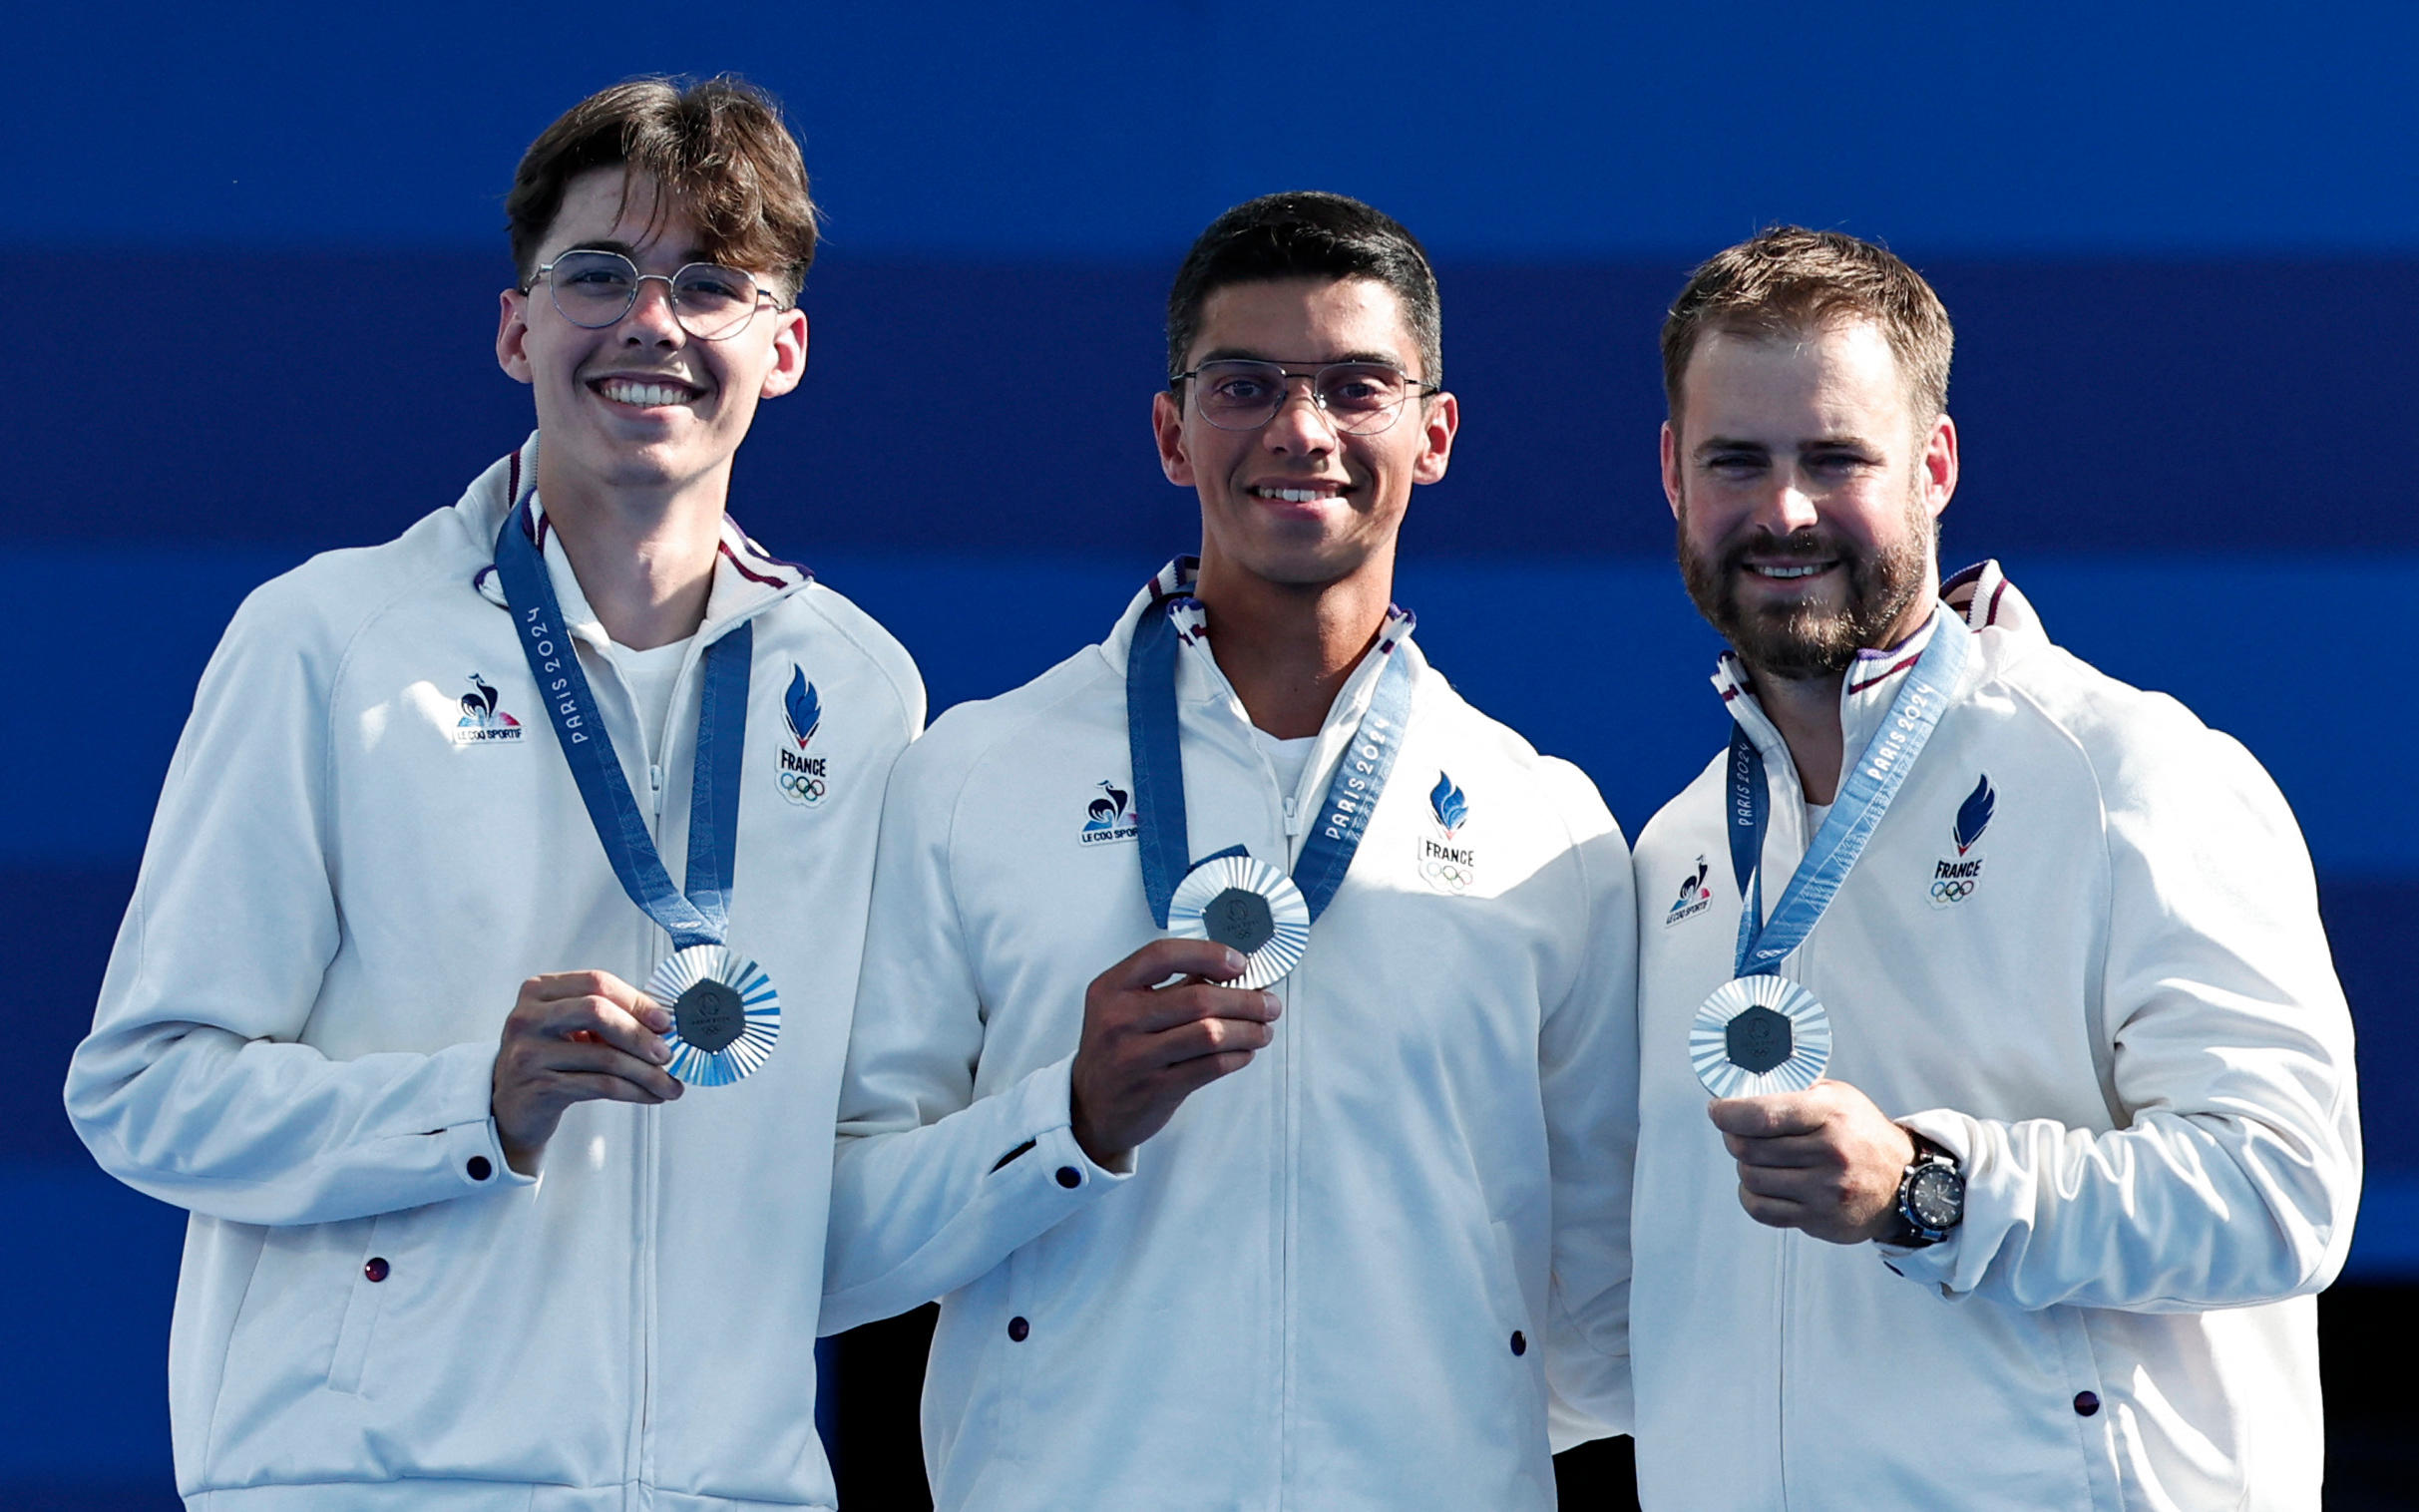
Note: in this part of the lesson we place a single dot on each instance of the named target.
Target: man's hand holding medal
(575, 1037)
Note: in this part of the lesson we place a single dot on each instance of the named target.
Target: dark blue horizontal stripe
(156, 1494)
(1603, 662)
(325, 399)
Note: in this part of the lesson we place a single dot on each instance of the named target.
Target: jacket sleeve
(191, 1087)
(2235, 1171)
(1588, 1071)
(933, 1187)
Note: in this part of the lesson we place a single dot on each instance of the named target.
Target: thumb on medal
(1174, 956)
(1774, 1115)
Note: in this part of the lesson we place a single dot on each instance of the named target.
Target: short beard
(1804, 641)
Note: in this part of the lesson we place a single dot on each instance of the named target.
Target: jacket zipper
(1289, 813)
(1783, 1334)
(1788, 1301)
(638, 1492)
(650, 1125)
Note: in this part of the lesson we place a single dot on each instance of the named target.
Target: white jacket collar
(1989, 601)
(746, 577)
(1981, 595)
(1200, 681)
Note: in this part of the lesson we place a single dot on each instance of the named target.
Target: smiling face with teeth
(1806, 490)
(1297, 502)
(640, 407)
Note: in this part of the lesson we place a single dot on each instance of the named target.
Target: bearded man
(2032, 1130)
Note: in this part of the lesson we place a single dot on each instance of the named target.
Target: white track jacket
(1345, 1276)
(2083, 953)
(367, 840)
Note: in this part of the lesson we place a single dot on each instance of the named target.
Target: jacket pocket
(2095, 1432)
(1516, 1332)
(1503, 1277)
(361, 1304)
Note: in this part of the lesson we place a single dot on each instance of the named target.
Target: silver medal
(1759, 1034)
(1249, 907)
(725, 1015)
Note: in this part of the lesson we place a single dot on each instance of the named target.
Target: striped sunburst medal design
(1246, 905)
(725, 1015)
(1759, 1034)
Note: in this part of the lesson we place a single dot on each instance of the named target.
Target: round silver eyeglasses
(592, 289)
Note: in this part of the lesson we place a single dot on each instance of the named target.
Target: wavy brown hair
(719, 147)
(1789, 279)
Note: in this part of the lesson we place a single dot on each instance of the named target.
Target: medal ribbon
(1872, 785)
(701, 914)
(1158, 755)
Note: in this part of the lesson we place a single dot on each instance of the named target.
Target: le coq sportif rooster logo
(482, 724)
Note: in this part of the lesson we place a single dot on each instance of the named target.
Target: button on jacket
(1349, 1274)
(2082, 952)
(369, 839)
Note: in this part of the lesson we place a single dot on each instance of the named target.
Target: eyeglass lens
(594, 289)
(1358, 397)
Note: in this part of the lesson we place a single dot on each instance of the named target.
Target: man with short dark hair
(2032, 1128)
(1312, 1199)
(450, 1248)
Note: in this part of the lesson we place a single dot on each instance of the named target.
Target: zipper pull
(655, 778)
(1293, 820)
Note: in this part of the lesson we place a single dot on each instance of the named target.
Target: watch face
(1935, 1198)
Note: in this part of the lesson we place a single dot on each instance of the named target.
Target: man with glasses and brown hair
(506, 1161)
(1315, 1198)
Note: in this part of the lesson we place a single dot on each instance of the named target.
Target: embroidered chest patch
(1108, 816)
(805, 776)
(1695, 897)
(482, 722)
(1446, 858)
(1954, 877)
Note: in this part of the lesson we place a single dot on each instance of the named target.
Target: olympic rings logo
(1955, 891)
(1451, 875)
(798, 787)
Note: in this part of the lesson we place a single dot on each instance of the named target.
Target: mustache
(1806, 544)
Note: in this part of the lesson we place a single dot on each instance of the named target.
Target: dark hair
(1306, 235)
(717, 147)
(1789, 278)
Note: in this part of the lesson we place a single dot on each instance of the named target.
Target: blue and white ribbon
(1866, 795)
(701, 914)
(1152, 736)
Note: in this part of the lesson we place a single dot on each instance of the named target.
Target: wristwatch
(1931, 1197)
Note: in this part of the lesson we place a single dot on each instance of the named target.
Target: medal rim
(760, 1004)
(1289, 915)
(1809, 1037)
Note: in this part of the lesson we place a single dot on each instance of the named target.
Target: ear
(1167, 425)
(1440, 418)
(789, 354)
(1671, 468)
(1939, 466)
(512, 334)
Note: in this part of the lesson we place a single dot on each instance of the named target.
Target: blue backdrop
(254, 264)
